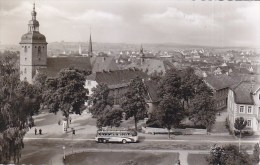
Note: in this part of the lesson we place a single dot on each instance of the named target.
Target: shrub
(244, 133)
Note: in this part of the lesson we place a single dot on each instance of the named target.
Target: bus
(122, 136)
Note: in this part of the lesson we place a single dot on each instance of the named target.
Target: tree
(203, 110)
(228, 154)
(18, 102)
(134, 104)
(169, 112)
(110, 117)
(188, 85)
(100, 99)
(256, 153)
(66, 92)
(240, 124)
(170, 84)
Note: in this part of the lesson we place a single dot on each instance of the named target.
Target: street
(50, 151)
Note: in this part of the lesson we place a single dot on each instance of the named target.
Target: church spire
(34, 12)
(33, 23)
(141, 50)
(90, 53)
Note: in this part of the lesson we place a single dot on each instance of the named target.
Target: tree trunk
(135, 123)
(67, 121)
(169, 134)
(239, 141)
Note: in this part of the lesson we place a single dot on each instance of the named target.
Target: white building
(244, 101)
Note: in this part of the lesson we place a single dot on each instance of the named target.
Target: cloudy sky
(210, 23)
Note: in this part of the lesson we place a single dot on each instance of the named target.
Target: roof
(152, 90)
(155, 65)
(114, 78)
(55, 65)
(101, 63)
(220, 81)
(243, 92)
(34, 37)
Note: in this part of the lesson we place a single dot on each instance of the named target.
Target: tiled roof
(101, 63)
(116, 77)
(243, 92)
(220, 81)
(152, 90)
(55, 65)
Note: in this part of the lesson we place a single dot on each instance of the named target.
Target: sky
(209, 23)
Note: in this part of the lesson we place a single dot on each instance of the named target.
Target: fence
(186, 131)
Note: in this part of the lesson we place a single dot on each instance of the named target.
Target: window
(241, 109)
(24, 70)
(25, 59)
(25, 49)
(249, 123)
(249, 109)
(39, 50)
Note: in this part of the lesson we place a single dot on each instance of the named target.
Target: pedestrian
(70, 120)
(30, 125)
(40, 131)
(35, 131)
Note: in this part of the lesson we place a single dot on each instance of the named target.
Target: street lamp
(63, 152)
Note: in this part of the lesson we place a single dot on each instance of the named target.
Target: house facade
(244, 101)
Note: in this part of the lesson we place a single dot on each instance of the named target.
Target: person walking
(35, 131)
(40, 131)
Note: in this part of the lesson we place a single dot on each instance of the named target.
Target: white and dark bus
(122, 136)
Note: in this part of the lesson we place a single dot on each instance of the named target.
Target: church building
(33, 56)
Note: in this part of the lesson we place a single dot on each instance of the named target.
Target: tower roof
(33, 38)
(33, 35)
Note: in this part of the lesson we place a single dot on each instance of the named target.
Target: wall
(90, 84)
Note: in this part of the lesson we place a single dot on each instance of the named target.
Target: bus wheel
(123, 141)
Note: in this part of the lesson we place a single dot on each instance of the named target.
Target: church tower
(33, 50)
(142, 55)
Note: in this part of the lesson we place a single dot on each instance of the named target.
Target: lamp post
(72, 133)
(63, 152)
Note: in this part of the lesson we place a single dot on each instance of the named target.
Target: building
(244, 101)
(220, 85)
(117, 81)
(103, 63)
(34, 60)
(33, 50)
